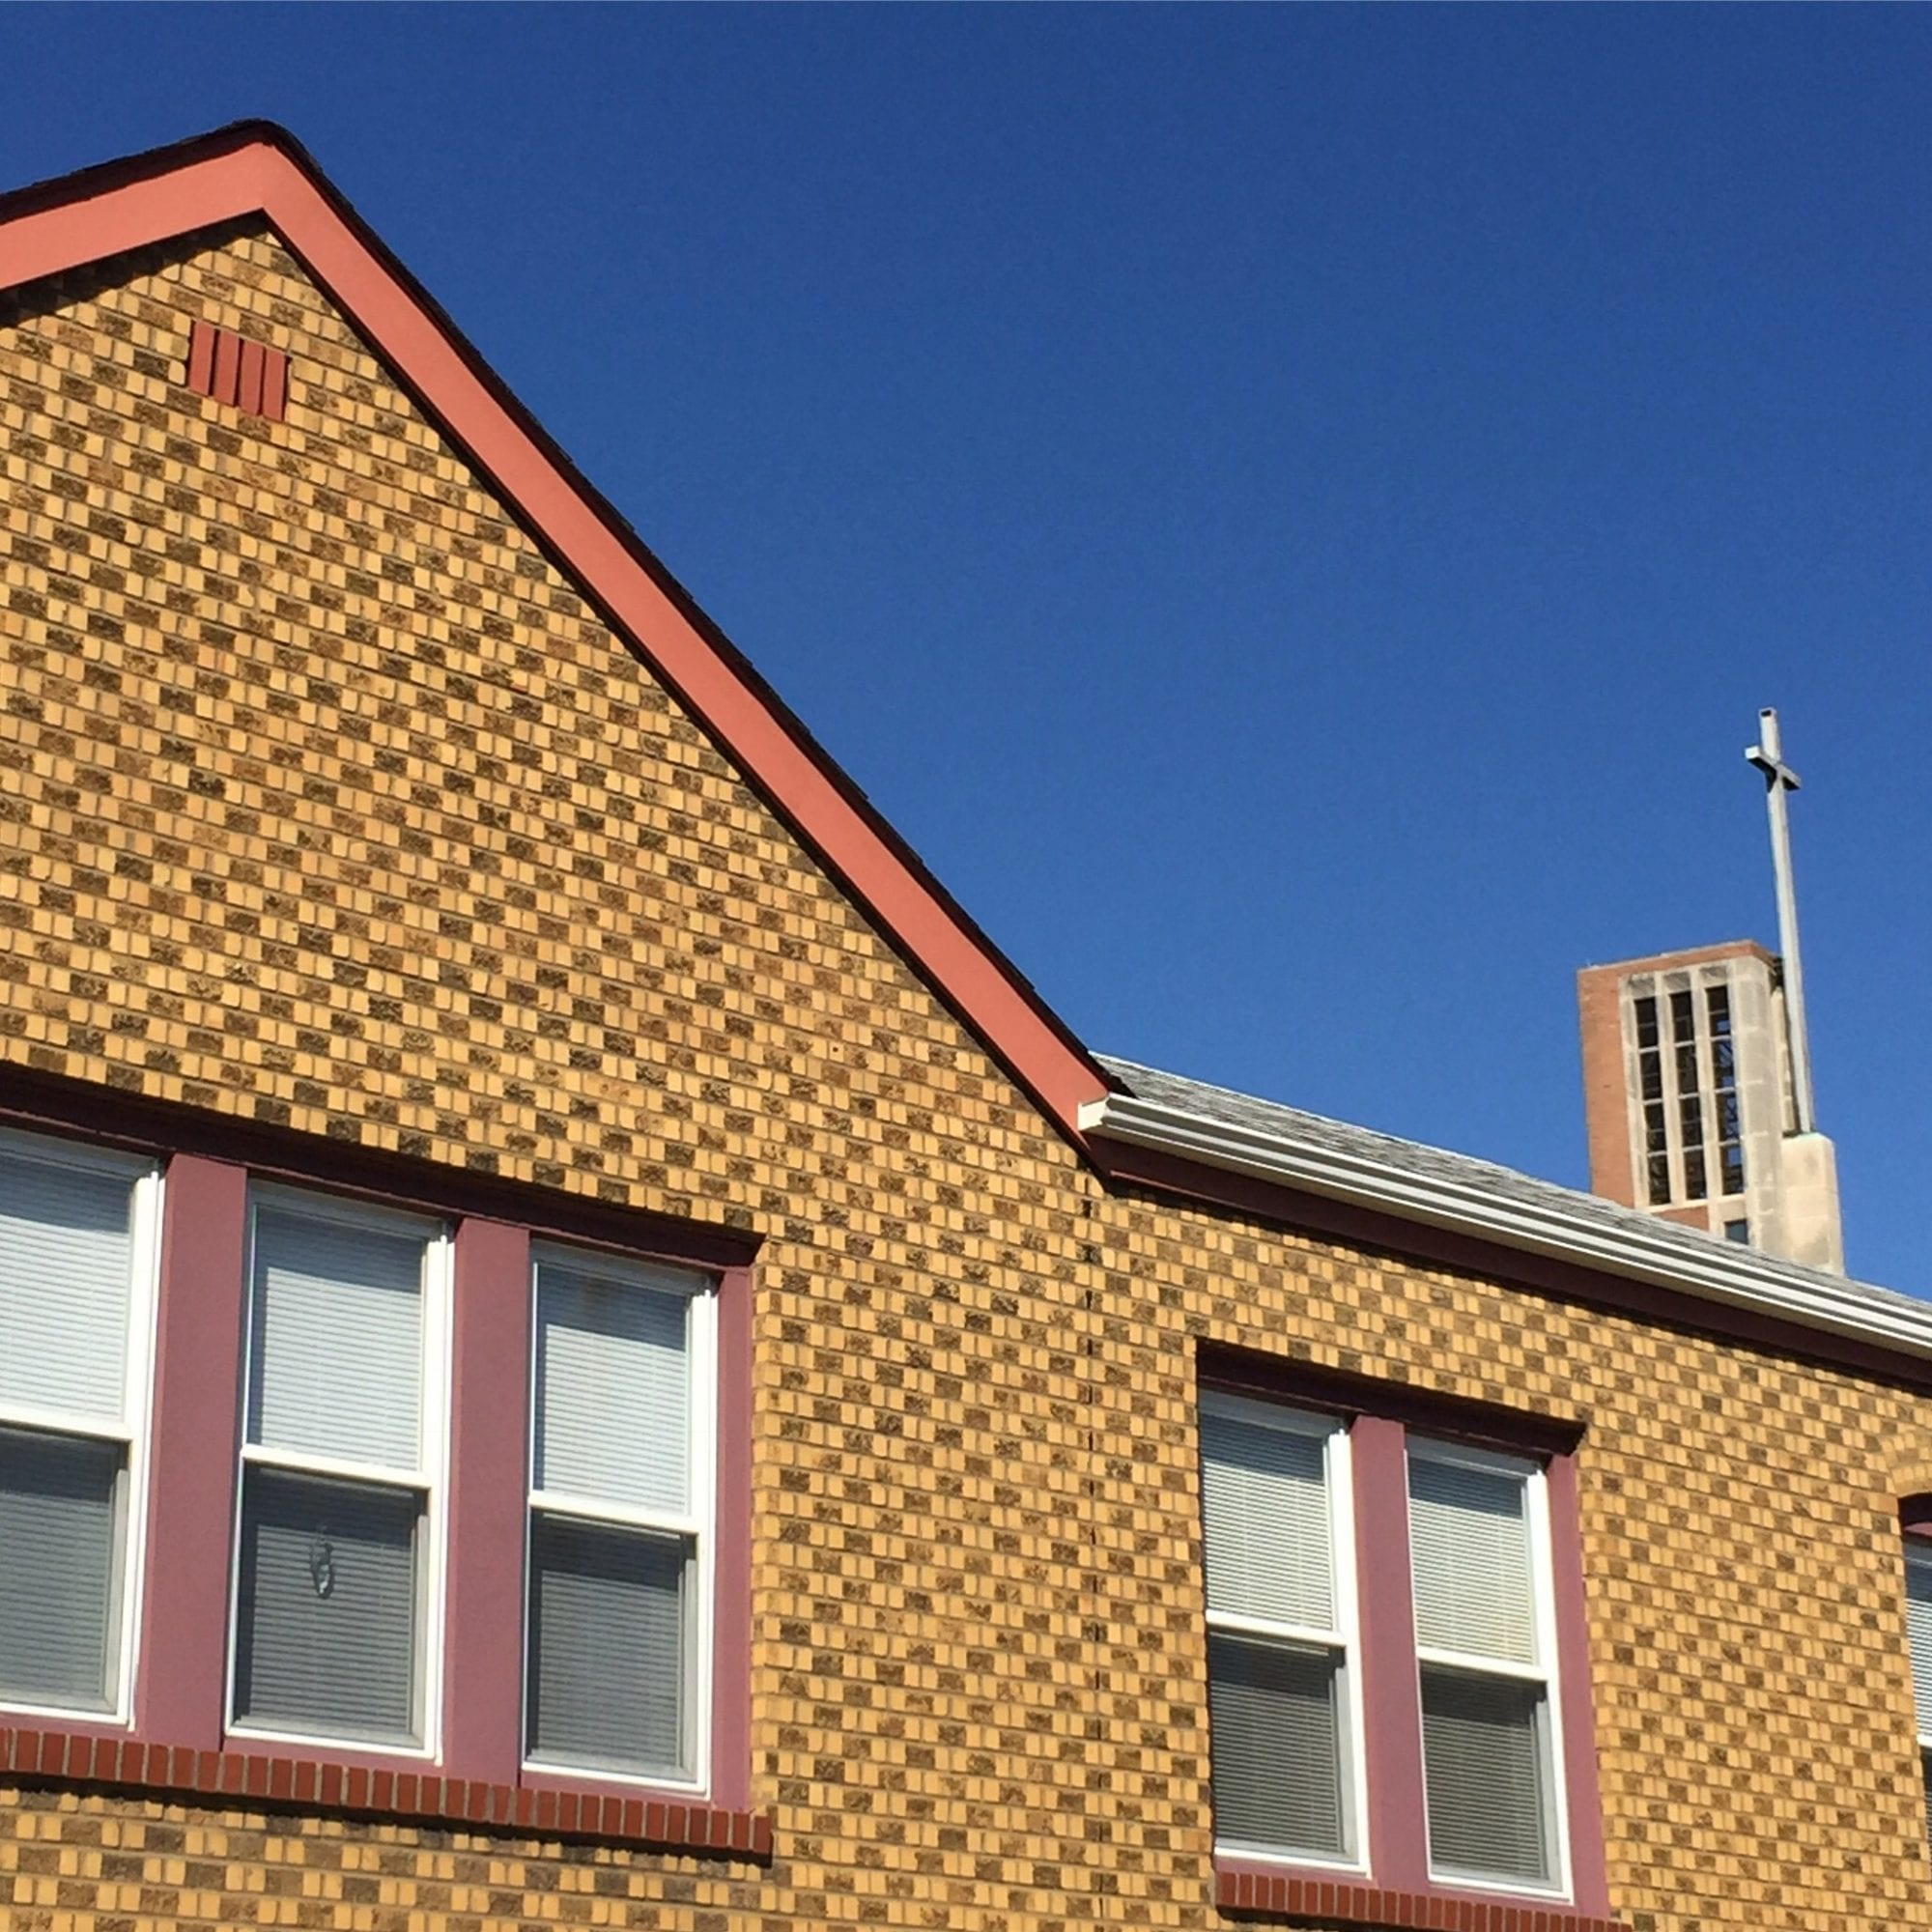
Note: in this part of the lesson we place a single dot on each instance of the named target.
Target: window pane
(1275, 1716)
(1468, 1530)
(1918, 1624)
(1485, 1752)
(325, 1623)
(58, 1568)
(66, 1263)
(335, 1367)
(608, 1645)
(613, 1403)
(1265, 1506)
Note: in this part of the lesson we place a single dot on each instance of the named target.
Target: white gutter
(1737, 1276)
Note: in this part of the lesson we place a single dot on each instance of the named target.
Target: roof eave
(1735, 1277)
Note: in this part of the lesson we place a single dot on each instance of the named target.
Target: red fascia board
(255, 168)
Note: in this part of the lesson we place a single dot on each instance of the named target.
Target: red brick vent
(247, 375)
(297, 1784)
(1327, 1902)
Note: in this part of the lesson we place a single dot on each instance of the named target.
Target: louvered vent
(247, 375)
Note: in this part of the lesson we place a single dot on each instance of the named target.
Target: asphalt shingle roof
(1225, 1107)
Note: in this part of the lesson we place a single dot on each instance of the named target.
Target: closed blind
(336, 1366)
(1265, 1509)
(65, 1265)
(1919, 1622)
(1469, 1538)
(609, 1632)
(1484, 1756)
(1275, 1730)
(325, 1626)
(613, 1400)
(59, 1544)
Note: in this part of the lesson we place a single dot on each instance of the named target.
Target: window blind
(1918, 1626)
(608, 1639)
(335, 1363)
(1475, 1589)
(1485, 1757)
(1274, 1712)
(66, 1271)
(60, 1504)
(612, 1389)
(326, 1635)
(1265, 1506)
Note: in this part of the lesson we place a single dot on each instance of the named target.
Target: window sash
(119, 1415)
(1338, 1637)
(647, 1515)
(424, 1476)
(281, 1421)
(1919, 1632)
(64, 1534)
(1538, 1673)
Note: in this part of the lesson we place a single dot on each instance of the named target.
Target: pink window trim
(1381, 1417)
(181, 1660)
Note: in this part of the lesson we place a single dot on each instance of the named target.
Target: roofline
(255, 168)
(1688, 955)
(1735, 1277)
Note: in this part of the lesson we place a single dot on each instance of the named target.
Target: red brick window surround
(268, 1396)
(1399, 1685)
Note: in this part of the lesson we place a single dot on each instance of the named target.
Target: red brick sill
(174, 1771)
(1294, 1900)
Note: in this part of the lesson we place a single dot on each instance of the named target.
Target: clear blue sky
(1291, 512)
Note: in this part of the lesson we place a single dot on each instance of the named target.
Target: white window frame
(1918, 1557)
(1346, 1638)
(430, 1478)
(1545, 1672)
(699, 1520)
(134, 1427)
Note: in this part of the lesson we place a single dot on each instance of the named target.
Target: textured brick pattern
(326, 801)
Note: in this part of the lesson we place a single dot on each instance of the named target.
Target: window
(338, 1519)
(76, 1266)
(1650, 1076)
(406, 1506)
(1484, 1644)
(1387, 1622)
(1280, 1630)
(621, 1513)
(1724, 1090)
(1919, 1627)
(1690, 1103)
(1690, 1140)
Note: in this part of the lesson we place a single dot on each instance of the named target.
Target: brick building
(1690, 1099)
(576, 1348)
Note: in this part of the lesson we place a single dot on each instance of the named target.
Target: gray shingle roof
(1290, 1124)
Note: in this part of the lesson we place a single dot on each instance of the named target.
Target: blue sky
(1292, 511)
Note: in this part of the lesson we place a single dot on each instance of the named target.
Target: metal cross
(1779, 780)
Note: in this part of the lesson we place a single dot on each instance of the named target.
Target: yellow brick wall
(325, 801)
